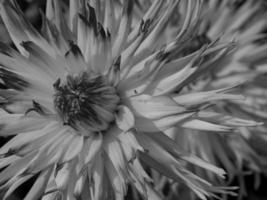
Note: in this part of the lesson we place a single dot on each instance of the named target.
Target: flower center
(85, 100)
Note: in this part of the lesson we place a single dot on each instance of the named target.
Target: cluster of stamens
(85, 100)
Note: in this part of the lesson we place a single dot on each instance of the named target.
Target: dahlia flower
(89, 100)
(244, 23)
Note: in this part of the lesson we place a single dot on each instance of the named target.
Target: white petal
(73, 10)
(117, 182)
(170, 121)
(19, 29)
(171, 82)
(63, 175)
(196, 98)
(153, 38)
(227, 120)
(172, 147)
(124, 28)
(145, 125)
(114, 151)
(73, 148)
(16, 167)
(206, 126)
(124, 118)
(154, 107)
(94, 146)
(79, 186)
(97, 175)
(130, 145)
(18, 123)
(26, 138)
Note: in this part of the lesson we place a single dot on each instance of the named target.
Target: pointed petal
(206, 126)
(170, 83)
(178, 152)
(118, 183)
(97, 175)
(124, 28)
(15, 185)
(171, 121)
(154, 107)
(114, 151)
(19, 29)
(16, 167)
(73, 148)
(63, 175)
(25, 138)
(13, 124)
(75, 60)
(92, 148)
(196, 98)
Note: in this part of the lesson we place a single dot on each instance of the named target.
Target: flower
(242, 22)
(89, 99)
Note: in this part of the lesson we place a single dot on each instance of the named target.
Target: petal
(15, 185)
(92, 147)
(14, 25)
(53, 37)
(114, 151)
(145, 125)
(171, 146)
(75, 60)
(118, 183)
(46, 61)
(79, 187)
(154, 107)
(153, 38)
(152, 194)
(63, 175)
(196, 98)
(124, 118)
(24, 69)
(206, 126)
(38, 188)
(73, 148)
(25, 138)
(109, 19)
(97, 188)
(154, 11)
(13, 124)
(50, 136)
(158, 158)
(128, 52)
(19, 28)
(227, 120)
(16, 167)
(171, 121)
(73, 10)
(130, 145)
(170, 83)
(87, 29)
(124, 28)
(49, 153)
(136, 79)
(5, 161)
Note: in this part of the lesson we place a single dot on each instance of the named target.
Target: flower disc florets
(85, 99)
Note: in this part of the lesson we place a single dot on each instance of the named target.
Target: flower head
(89, 99)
